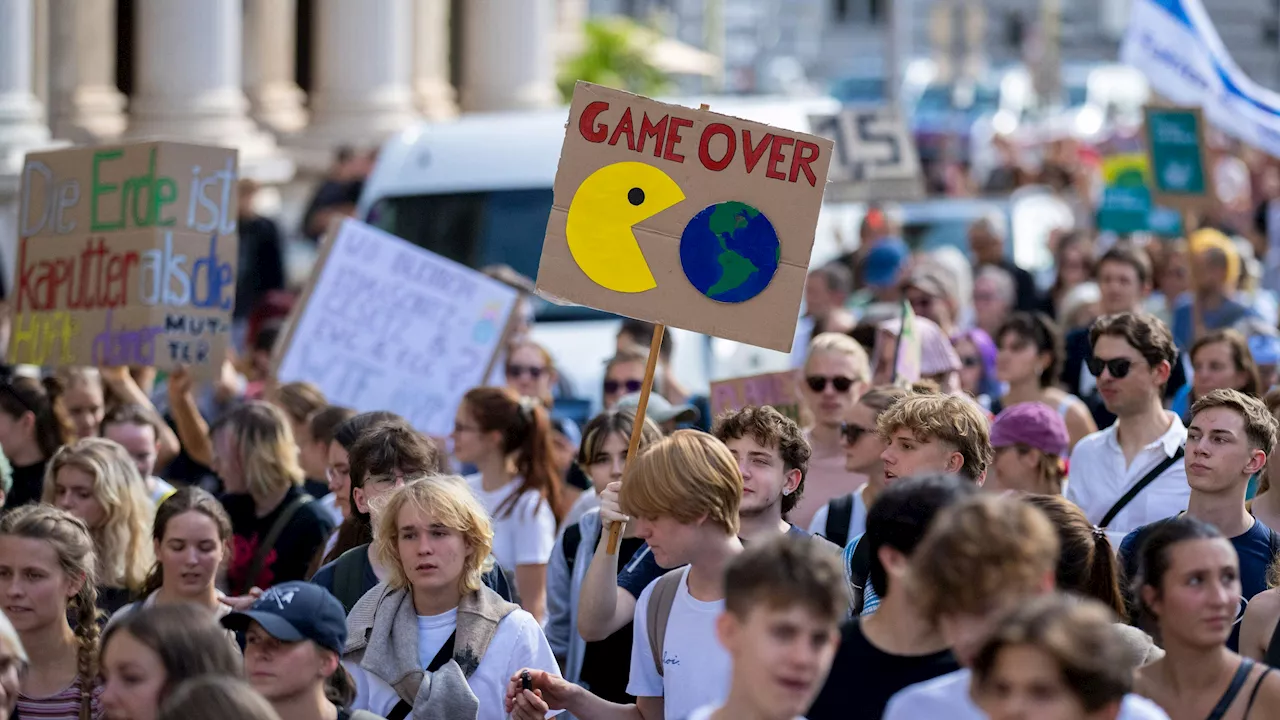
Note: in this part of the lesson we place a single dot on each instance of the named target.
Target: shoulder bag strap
(400, 711)
(1139, 487)
(839, 515)
(659, 612)
(269, 542)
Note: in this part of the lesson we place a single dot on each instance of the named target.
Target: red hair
(526, 432)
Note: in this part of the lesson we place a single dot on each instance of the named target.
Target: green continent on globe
(735, 271)
(729, 251)
(727, 219)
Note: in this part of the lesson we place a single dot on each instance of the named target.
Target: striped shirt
(63, 705)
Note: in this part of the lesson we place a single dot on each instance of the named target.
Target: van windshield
(479, 229)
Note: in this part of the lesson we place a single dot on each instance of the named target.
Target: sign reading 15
(871, 144)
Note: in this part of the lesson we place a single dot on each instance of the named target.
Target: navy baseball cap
(295, 611)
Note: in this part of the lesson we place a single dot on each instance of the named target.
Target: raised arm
(603, 607)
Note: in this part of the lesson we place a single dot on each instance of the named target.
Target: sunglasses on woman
(516, 371)
(818, 383)
(1118, 367)
(851, 433)
(612, 387)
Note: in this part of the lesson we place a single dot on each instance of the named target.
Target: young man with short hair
(935, 434)
(380, 460)
(1131, 473)
(683, 494)
(784, 599)
(134, 429)
(981, 558)
(773, 457)
(1230, 438)
(882, 653)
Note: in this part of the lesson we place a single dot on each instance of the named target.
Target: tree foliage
(617, 53)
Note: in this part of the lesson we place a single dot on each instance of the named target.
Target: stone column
(188, 60)
(363, 59)
(85, 106)
(431, 87)
(509, 61)
(22, 126)
(269, 46)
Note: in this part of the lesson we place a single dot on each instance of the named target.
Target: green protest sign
(1177, 156)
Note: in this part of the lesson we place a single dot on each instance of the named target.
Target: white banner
(1175, 45)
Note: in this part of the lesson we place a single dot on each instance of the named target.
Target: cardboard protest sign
(683, 217)
(387, 325)
(777, 390)
(875, 156)
(126, 256)
(1178, 158)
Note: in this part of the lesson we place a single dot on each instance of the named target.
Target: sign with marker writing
(683, 217)
(126, 256)
(875, 156)
(387, 325)
(1178, 157)
(777, 390)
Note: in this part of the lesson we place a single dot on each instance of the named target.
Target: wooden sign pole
(637, 427)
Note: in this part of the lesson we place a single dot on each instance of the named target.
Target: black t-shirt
(28, 484)
(606, 664)
(294, 550)
(863, 677)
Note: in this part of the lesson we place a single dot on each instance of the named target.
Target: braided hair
(70, 539)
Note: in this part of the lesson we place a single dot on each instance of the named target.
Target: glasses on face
(852, 433)
(384, 479)
(1118, 367)
(971, 361)
(518, 371)
(818, 383)
(613, 387)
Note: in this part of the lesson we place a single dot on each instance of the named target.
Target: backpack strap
(1138, 487)
(348, 576)
(572, 539)
(269, 542)
(839, 515)
(658, 612)
(859, 575)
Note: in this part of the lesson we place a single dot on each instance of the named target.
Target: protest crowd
(991, 495)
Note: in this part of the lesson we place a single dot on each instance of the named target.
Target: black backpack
(839, 515)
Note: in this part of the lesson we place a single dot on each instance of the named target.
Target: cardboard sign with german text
(683, 217)
(127, 255)
(777, 390)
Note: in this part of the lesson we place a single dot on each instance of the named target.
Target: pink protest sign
(778, 390)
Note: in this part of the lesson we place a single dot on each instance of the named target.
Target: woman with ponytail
(47, 586)
(192, 538)
(97, 481)
(509, 440)
(30, 432)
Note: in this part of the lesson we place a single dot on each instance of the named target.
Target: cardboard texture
(127, 255)
(1178, 158)
(386, 325)
(683, 217)
(778, 390)
(875, 156)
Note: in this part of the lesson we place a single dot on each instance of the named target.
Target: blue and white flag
(1175, 45)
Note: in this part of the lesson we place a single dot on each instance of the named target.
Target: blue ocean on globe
(730, 252)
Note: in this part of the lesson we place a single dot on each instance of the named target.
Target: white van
(478, 190)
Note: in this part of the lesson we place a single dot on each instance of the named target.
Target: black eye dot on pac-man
(635, 196)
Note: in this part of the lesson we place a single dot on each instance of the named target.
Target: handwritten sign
(1178, 157)
(777, 390)
(387, 325)
(875, 156)
(683, 217)
(126, 256)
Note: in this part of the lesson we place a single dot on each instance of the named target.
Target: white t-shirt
(433, 632)
(948, 697)
(857, 518)
(524, 536)
(517, 643)
(696, 668)
(705, 713)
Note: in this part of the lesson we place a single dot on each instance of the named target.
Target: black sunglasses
(611, 387)
(851, 433)
(1118, 367)
(515, 371)
(818, 383)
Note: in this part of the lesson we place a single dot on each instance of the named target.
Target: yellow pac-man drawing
(604, 210)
